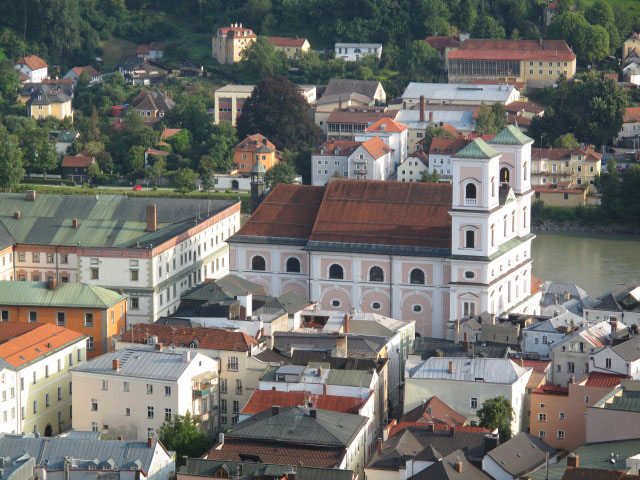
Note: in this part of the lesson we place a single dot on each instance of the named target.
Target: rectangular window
(105, 385)
(542, 417)
(88, 319)
(561, 415)
(135, 303)
(90, 344)
(60, 319)
(125, 386)
(167, 391)
(49, 257)
(133, 275)
(149, 389)
(94, 405)
(4, 315)
(46, 371)
(47, 402)
(127, 412)
(238, 386)
(95, 274)
(223, 405)
(587, 399)
(64, 258)
(167, 414)
(232, 363)
(571, 367)
(236, 406)
(59, 393)
(560, 434)
(223, 420)
(21, 256)
(94, 426)
(607, 363)
(33, 317)
(473, 402)
(223, 385)
(542, 434)
(35, 257)
(149, 411)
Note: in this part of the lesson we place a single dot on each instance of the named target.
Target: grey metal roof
(629, 350)
(619, 300)
(295, 425)
(344, 85)
(199, 467)
(459, 119)
(141, 363)
(445, 469)
(431, 347)
(490, 370)
(523, 454)
(51, 452)
(458, 92)
(285, 341)
(226, 288)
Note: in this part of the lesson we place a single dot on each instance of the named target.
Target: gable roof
(629, 350)
(22, 343)
(487, 370)
(337, 147)
(376, 147)
(79, 160)
(253, 143)
(556, 50)
(447, 469)
(152, 100)
(88, 69)
(597, 335)
(449, 146)
(169, 132)
(440, 43)
(428, 347)
(146, 48)
(386, 125)
(510, 135)
(47, 94)
(564, 153)
(477, 148)
(344, 85)
(632, 114)
(294, 42)
(434, 410)
(522, 454)
(603, 380)
(248, 450)
(65, 294)
(33, 62)
(262, 400)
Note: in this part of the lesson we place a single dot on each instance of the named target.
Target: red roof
(361, 116)
(89, 70)
(449, 146)
(33, 62)
(395, 427)
(21, 343)
(236, 32)
(536, 285)
(262, 400)
(632, 114)
(537, 365)
(434, 411)
(604, 380)
(552, 6)
(386, 125)
(169, 132)
(146, 49)
(376, 147)
(451, 129)
(551, 389)
(287, 41)
(206, 338)
(253, 142)
(153, 151)
(482, 49)
(440, 43)
(79, 160)
(237, 450)
(564, 153)
(337, 147)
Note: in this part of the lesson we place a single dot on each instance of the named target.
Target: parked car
(137, 188)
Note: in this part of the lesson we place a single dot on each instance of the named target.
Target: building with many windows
(228, 43)
(554, 166)
(35, 385)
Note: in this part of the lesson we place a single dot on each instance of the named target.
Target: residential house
(64, 139)
(435, 279)
(469, 327)
(555, 166)
(48, 101)
(454, 466)
(138, 71)
(444, 45)
(342, 93)
(34, 377)
(151, 249)
(570, 355)
(465, 384)
(290, 46)
(440, 153)
(630, 46)
(94, 311)
(530, 63)
(345, 123)
(393, 134)
(541, 336)
(631, 73)
(303, 435)
(557, 414)
(152, 105)
(196, 468)
(433, 411)
(549, 12)
(616, 416)
(518, 457)
(362, 160)
(33, 67)
(131, 392)
(241, 359)
(93, 75)
(228, 43)
(425, 347)
(521, 114)
(630, 124)
(413, 168)
(458, 94)
(622, 359)
(557, 297)
(622, 304)
(255, 148)
(76, 167)
(356, 51)
(75, 457)
(64, 85)
(410, 452)
(152, 50)
(564, 196)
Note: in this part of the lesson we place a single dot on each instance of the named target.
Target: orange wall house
(253, 148)
(94, 311)
(558, 414)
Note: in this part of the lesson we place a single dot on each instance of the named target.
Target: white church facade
(412, 251)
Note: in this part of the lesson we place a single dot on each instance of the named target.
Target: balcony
(359, 160)
(470, 202)
(360, 171)
(202, 390)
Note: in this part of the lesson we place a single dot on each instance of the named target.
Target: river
(597, 262)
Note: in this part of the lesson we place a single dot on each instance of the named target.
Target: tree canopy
(184, 436)
(497, 413)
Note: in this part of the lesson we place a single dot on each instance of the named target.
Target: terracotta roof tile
(451, 129)
(448, 146)
(632, 114)
(394, 428)
(33, 62)
(22, 343)
(434, 411)
(207, 338)
(519, 106)
(386, 125)
(253, 142)
(262, 400)
(89, 70)
(170, 132)
(440, 43)
(563, 153)
(274, 453)
(287, 41)
(604, 380)
(78, 160)
(337, 147)
(537, 365)
(376, 147)
(513, 50)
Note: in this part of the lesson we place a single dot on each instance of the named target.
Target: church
(427, 252)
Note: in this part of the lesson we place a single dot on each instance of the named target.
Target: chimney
(220, 440)
(458, 466)
(465, 343)
(158, 346)
(275, 410)
(116, 364)
(490, 442)
(152, 218)
(52, 283)
(149, 442)
(347, 323)
(452, 430)
(186, 356)
(614, 324)
(430, 427)
(16, 215)
(74, 223)
(243, 312)
(573, 461)
(120, 437)
(342, 349)
(572, 379)
(324, 388)
(450, 366)
(379, 445)
(431, 118)
(313, 413)
(340, 103)
(31, 195)
(422, 108)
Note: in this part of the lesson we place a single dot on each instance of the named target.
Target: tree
(218, 147)
(190, 113)
(135, 160)
(434, 132)
(564, 6)
(277, 110)
(281, 172)
(568, 140)
(420, 62)
(590, 42)
(94, 172)
(429, 177)
(497, 413)
(600, 13)
(261, 59)
(181, 142)
(185, 180)
(157, 169)
(467, 15)
(11, 171)
(38, 149)
(490, 119)
(183, 435)
(488, 27)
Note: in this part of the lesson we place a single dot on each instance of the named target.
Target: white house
(541, 336)
(76, 72)
(131, 392)
(394, 134)
(631, 73)
(630, 124)
(466, 383)
(441, 151)
(33, 67)
(623, 359)
(412, 168)
(355, 51)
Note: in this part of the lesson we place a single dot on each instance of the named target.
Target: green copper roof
(36, 294)
(510, 135)
(477, 149)
(258, 168)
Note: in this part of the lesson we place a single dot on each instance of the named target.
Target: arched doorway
(48, 431)
(235, 185)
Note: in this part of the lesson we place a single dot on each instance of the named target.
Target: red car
(137, 188)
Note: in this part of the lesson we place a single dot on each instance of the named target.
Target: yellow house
(630, 44)
(290, 46)
(48, 101)
(228, 43)
(564, 166)
(35, 385)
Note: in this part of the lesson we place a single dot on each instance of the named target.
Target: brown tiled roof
(287, 41)
(89, 70)
(236, 32)
(552, 6)
(386, 125)
(262, 400)
(33, 62)
(169, 132)
(519, 106)
(434, 411)
(537, 365)
(480, 49)
(376, 147)
(551, 389)
(604, 380)
(337, 147)
(358, 116)
(152, 100)
(207, 338)
(144, 49)
(440, 43)
(253, 142)
(563, 153)
(274, 453)
(78, 160)
(22, 343)
(451, 129)
(632, 114)
(423, 157)
(395, 427)
(153, 151)
(449, 146)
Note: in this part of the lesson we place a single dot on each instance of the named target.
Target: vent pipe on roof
(74, 223)
(458, 465)
(31, 195)
(573, 461)
(16, 215)
(52, 283)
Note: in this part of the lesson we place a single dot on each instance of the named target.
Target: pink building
(413, 251)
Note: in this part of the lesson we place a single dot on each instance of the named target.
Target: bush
(48, 181)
